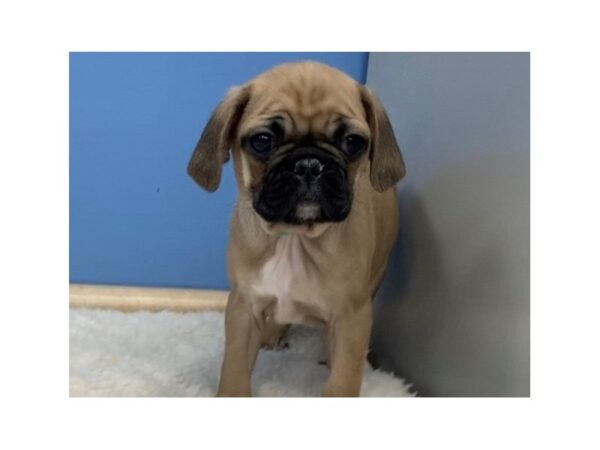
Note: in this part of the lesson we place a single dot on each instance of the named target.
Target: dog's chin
(309, 229)
(307, 211)
(305, 222)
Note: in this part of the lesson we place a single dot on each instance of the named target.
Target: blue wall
(136, 218)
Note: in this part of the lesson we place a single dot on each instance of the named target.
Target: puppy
(316, 162)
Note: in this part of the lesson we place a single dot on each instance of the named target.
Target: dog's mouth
(305, 189)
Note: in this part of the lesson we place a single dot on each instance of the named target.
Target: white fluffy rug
(146, 354)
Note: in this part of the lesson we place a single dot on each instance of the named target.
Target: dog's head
(299, 135)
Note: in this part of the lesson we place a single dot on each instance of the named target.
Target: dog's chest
(291, 276)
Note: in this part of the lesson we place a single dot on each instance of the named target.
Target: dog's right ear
(212, 150)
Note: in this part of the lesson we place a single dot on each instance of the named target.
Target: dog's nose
(308, 167)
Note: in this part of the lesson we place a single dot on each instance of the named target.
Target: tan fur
(320, 274)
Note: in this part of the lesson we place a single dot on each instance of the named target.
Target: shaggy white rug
(146, 354)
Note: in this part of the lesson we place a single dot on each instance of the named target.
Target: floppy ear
(212, 150)
(387, 165)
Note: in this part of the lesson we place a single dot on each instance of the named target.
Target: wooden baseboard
(125, 298)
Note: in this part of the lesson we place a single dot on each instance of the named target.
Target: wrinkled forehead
(305, 104)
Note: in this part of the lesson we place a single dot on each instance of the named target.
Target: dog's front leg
(242, 342)
(348, 346)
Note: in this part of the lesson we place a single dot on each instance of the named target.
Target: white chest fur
(290, 276)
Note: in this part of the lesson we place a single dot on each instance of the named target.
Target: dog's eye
(354, 144)
(262, 142)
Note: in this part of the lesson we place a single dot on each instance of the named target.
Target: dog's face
(300, 135)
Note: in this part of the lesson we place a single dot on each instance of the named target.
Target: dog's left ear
(212, 150)
(387, 165)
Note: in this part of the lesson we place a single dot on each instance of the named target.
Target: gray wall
(453, 313)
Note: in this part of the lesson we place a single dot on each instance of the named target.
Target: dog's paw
(277, 345)
(276, 339)
(281, 344)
